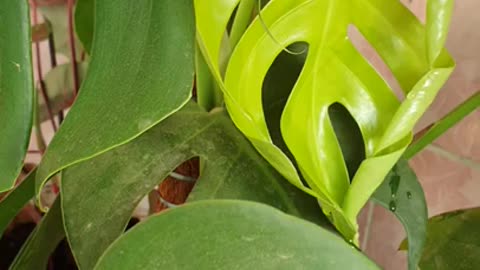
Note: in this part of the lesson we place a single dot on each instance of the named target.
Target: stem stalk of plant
(444, 124)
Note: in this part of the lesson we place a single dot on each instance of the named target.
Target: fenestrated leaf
(277, 86)
(59, 86)
(453, 241)
(97, 204)
(230, 235)
(84, 10)
(15, 200)
(42, 241)
(402, 194)
(141, 71)
(335, 72)
(16, 89)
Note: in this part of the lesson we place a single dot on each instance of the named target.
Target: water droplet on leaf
(394, 183)
(392, 206)
(409, 195)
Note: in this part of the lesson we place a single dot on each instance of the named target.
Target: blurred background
(449, 170)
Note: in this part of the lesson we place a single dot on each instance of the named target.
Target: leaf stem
(242, 20)
(53, 64)
(41, 145)
(39, 71)
(442, 125)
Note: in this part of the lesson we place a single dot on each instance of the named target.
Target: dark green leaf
(140, 72)
(16, 89)
(97, 203)
(42, 242)
(453, 241)
(84, 11)
(15, 200)
(402, 194)
(230, 235)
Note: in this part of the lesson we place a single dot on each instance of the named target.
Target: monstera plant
(334, 72)
(294, 129)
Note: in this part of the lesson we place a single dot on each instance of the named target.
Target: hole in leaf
(277, 86)
(225, 47)
(373, 58)
(174, 190)
(132, 222)
(349, 137)
(231, 20)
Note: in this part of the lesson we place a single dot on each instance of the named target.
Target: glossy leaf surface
(42, 241)
(98, 203)
(334, 72)
(453, 241)
(230, 235)
(16, 89)
(402, 194)
(141, 71)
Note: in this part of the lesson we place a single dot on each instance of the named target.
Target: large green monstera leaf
(334, 72)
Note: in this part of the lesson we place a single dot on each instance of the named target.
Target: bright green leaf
(334, 72)
(97, 203)
(439, 14)
(16, 200)
(84, 12)
(230, 235)
(42, 241)
(140, 72)
(242, 20)
(402, 194)
(453, 241)
(16, 89)
(279, 82)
